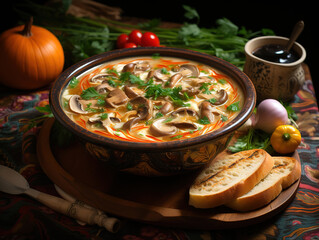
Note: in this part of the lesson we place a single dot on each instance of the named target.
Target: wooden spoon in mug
(295, 34)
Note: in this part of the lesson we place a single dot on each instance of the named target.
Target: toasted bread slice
(229, 177)
(285, 172)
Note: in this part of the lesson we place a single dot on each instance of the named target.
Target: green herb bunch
(83, 37)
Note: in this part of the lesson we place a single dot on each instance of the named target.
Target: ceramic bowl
(160, 158)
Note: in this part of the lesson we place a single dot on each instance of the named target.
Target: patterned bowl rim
(225, 67)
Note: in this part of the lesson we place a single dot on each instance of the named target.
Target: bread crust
(259, 199)
(237, 188)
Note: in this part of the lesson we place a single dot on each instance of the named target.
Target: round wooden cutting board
(157, 200)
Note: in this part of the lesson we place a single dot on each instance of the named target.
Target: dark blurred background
(280, 16)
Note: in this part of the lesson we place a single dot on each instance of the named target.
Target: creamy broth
(152, 99)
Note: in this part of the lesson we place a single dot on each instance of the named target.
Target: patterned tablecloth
(22, 217)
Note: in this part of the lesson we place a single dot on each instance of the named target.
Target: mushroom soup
(152, 99)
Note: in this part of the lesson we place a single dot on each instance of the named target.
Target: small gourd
(31, 57)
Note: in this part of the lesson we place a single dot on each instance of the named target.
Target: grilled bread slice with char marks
(285, 172)
(229, 177)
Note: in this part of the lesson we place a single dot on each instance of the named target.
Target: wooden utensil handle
(74, 210)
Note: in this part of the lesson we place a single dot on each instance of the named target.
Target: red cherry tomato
(150, 39)
(129, 45)
(121, 40)
(135, 37)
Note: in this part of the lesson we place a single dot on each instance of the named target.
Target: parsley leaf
(176, 137)
(74, 82)
(226, 27)
(93, 110)
(158, 115)
(205, 88)
(234, 107)
(222, 81)
(254, 139)
(187, 31)
(129, 106)
(104, 116)
(136, 80)
(204, 121)
(212, 100)
(164, 71)
(224, 118)
(90, 93)
(191, 13)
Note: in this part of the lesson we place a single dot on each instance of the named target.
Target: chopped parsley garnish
(205, 88)
(74, 82)
(136, 80)
(177, 137)
(113, 71)
(112, 83)
(90, 93)
(158, 115)
(101, 101)
(234, 107)
(169, 119)
(93, 110)
(164, 71)
(224, 118)
(222, 81)
(204, 121)
(104, 116)
(129, 106)
(212, 100)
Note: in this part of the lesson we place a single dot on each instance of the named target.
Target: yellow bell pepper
(285, 139)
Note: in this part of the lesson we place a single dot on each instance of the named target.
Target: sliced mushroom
(184, 111)
(191, 91)
(104, 87)
(166, 108)
(220, 96)
(110, 120)
(207, 110)
(200, 80)
(101, 77)
(144, 107)
(143, 66)
(183, 125)
(115, 119)
(128, 115)
(175, 79)
(150, 74)
(116, 97)
(130, 123)
(159, 75)
(130, 92)
(144, 111)
(75, 105)
(130, 67)
(189, 70)
(95, 119)
(160, 128)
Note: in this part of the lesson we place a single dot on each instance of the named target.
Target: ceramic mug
(279, 81)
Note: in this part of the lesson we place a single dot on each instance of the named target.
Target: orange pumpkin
(31, 57)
